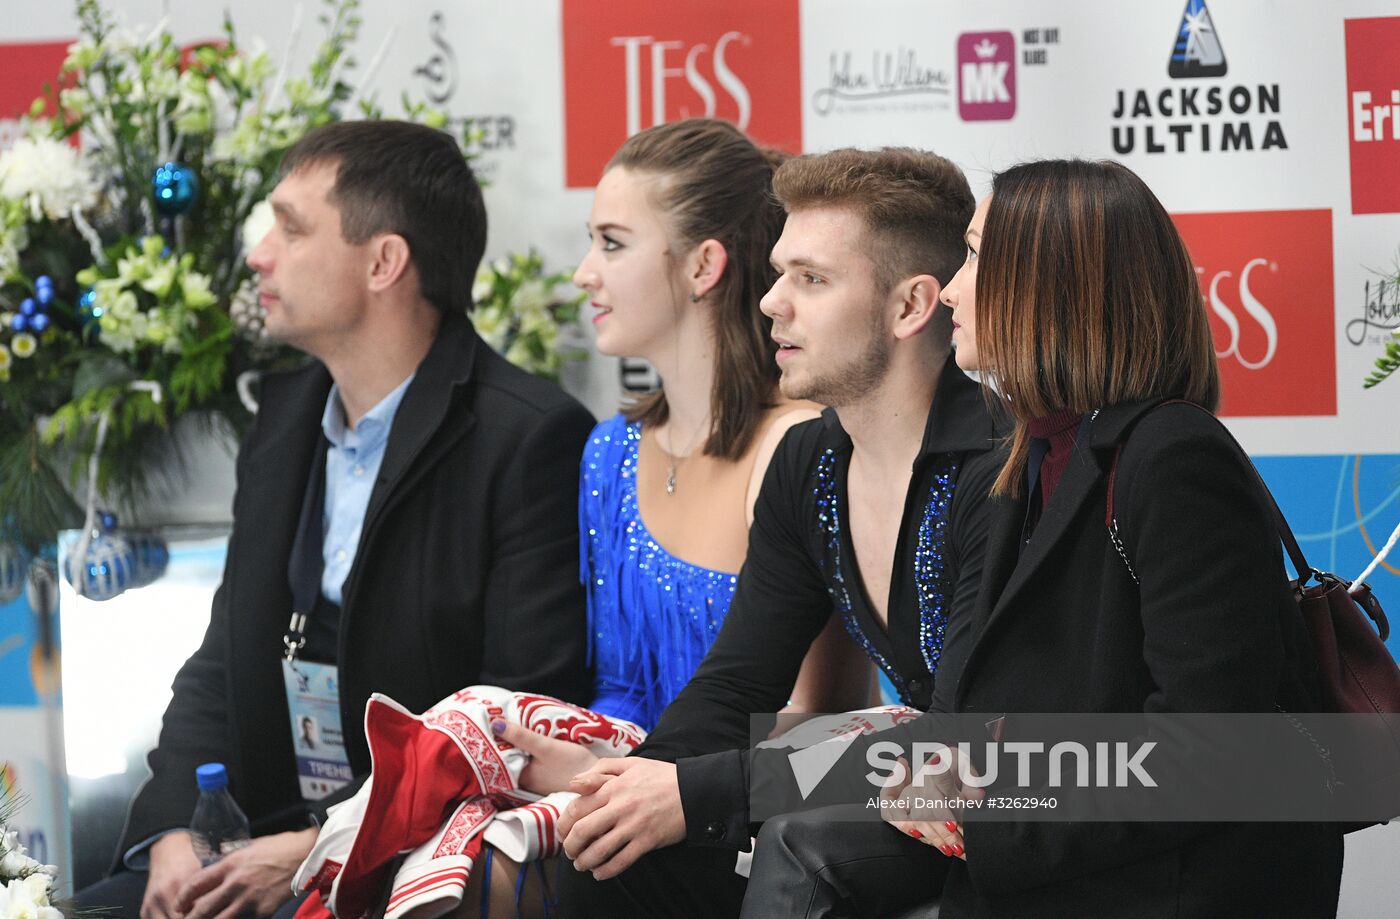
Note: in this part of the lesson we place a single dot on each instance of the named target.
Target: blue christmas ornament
(14, 563)
(88, 310)
(28, 307)
(152, 557)
(107, 520)
(19, 322)
(39, 323)
(48, 552)
(43, 281)
(175, 187)
(107, 568)
(43, 289)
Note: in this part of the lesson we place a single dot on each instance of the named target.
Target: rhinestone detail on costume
(829, 517)
(931, 570)
(652, 616)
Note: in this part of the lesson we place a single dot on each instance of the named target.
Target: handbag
(1356, 671)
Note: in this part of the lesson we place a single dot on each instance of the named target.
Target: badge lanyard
(313, 689)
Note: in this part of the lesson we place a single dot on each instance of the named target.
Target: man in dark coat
(410, 492)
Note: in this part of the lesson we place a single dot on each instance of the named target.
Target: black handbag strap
(1285, 532)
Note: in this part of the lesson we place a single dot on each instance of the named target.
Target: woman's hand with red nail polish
(916, 806)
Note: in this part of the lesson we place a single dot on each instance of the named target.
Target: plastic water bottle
(218, 827)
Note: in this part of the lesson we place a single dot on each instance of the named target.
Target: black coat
(1062, 627)
(467, 572)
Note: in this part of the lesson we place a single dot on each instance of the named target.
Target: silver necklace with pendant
(674, 461)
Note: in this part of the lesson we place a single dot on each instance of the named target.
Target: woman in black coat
(1085, 316)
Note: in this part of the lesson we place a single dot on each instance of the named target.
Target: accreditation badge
(313, 701)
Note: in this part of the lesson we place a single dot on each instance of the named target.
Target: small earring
(694, 297)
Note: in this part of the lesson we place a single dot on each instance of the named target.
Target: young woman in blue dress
(681, 228)
(682, 225)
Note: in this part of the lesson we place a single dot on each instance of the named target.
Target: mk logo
(986, 76)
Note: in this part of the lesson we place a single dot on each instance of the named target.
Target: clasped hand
(626, 807)
(930, 805)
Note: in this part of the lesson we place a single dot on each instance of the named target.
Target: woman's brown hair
(1086, 297)
(716, 184)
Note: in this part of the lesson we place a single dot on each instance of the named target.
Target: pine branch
(1386, 364)
(37, 503)
(10, 803)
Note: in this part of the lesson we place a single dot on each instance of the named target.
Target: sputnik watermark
(1114, 765)
(1271, 766)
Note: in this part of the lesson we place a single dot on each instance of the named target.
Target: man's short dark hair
(404, 178)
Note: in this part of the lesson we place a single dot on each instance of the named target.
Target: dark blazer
(1062, 627)
(467, 572)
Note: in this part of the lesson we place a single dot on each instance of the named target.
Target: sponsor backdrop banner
(31, 735)
(1270, 130)
(633, 64)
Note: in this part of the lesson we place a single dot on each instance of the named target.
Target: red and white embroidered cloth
(442, 786)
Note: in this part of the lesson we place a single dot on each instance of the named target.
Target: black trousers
(816, 864)
(120, 896)
(838, 862)
(678, 881)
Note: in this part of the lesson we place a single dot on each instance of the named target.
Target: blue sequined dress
(651, 616)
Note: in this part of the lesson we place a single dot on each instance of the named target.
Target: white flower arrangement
(122, 269)
(49, 176)
(260, 221)
(177, 295)
(520, 313)
(122, 259)
(26, 885)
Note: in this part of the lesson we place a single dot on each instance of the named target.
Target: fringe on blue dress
(651, 616)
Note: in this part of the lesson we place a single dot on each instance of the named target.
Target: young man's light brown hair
(1086, 297)
(915, 206)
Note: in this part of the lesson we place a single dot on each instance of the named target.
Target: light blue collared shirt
(352, 465)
